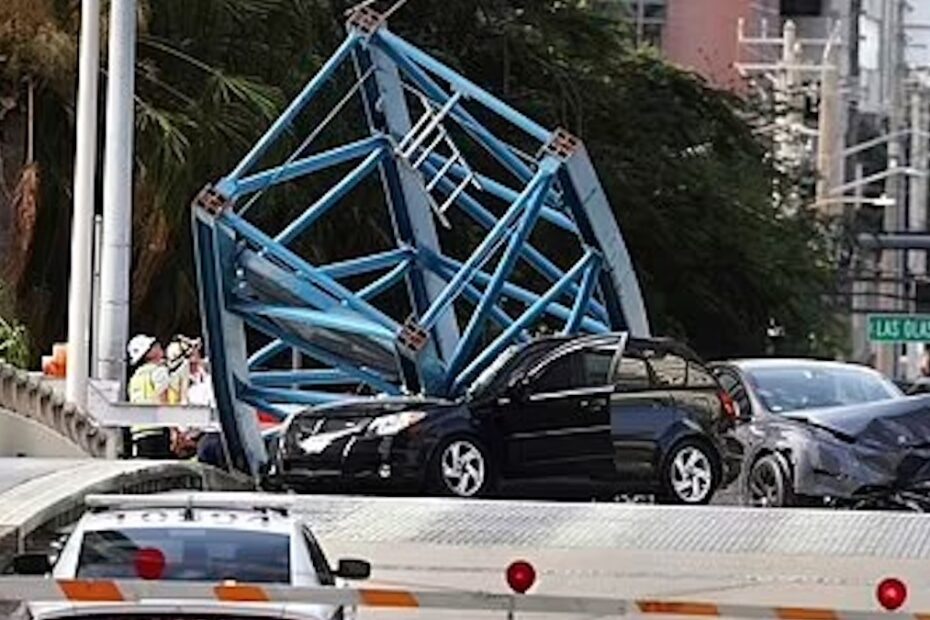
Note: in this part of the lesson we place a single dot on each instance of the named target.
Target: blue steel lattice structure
(262, 297)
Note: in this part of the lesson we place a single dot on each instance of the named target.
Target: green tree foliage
(718, 257)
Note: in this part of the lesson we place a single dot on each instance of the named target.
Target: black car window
(699, 378)
(669, 370)
(632, 375)
(579, 369)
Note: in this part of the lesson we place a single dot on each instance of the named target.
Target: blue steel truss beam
(362, 374)
(331, 320)
(266, 354)
(328, 200)
(497, 148)
(297, 397)
(583, 299)
(385, 105)
(436, 161)
(313, 376)
(503, 270)
(473, 295)
(234, 189)
(385, 282)
(290, 113)
(448, 266)
(464, 85)
(367, 264)
(484, 249)
(536, 259)
(537, 309)
(300, 266)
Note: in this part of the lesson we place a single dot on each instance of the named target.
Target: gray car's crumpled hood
(898, 423)
(852, 449)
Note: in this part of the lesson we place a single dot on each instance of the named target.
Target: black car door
(642, 412)
(559, 425)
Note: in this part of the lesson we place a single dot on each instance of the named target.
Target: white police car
(200, 537)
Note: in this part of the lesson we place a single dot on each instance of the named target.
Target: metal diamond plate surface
(619, 526)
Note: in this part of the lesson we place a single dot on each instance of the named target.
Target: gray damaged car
(875, 455)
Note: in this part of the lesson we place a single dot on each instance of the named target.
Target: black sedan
(636, 416)
(827, 433)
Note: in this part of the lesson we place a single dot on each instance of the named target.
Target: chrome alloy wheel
(463, 468)
(692, 475)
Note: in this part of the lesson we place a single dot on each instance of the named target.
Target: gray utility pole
(862, 288)
(917, 193)
(831, 135)
(85, 160)
(117, 194)
(787, 74)
(789, 84)
(892, 265)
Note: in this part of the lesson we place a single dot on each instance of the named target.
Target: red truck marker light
(891, 593)
(521, 576)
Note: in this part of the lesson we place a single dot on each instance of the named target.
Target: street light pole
(85, 160)
(117, 194)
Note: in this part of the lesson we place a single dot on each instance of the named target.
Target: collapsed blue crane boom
(262, 297)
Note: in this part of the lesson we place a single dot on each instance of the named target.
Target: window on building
(802, 8)
(646, 16)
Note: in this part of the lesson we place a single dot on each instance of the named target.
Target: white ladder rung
(413, 130)
(432, 147)
(456, 193)
(431, 126)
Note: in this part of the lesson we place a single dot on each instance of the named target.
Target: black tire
(690, 473)
(769, 483)
(470, 475)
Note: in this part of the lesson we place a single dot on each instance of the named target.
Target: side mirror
(353, 569)
(31, 564)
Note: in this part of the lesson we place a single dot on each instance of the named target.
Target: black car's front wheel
(462, 468)
(769, 483)
(691, 474)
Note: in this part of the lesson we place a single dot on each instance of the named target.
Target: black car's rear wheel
(462, 468)
(691, 473)
(769, 483)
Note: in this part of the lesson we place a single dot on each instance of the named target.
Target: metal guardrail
(28, 396)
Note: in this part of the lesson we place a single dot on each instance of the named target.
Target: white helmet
(138, 347)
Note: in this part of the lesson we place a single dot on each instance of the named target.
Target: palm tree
(188, 112)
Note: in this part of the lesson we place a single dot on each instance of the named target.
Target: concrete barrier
(26, 396)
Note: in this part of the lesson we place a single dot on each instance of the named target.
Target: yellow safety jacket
(148, 386)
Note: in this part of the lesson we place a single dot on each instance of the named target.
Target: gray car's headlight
(394, 423)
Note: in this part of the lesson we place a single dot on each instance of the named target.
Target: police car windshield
(189, 554)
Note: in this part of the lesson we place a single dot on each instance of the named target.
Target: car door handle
(590, 406)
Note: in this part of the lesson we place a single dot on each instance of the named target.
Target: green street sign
(899, 327)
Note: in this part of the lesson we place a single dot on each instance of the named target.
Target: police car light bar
(216, 501)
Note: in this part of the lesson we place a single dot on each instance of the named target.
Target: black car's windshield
(188, 554)
(796, 388)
